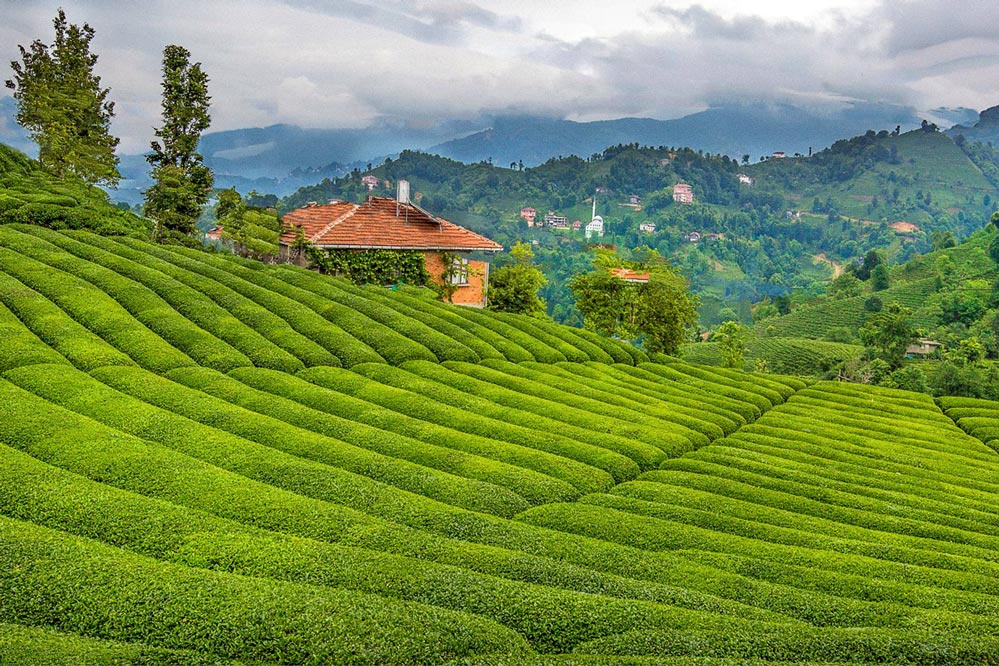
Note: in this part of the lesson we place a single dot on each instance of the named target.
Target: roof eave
(422, 248)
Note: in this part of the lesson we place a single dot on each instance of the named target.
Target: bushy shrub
(140, 301)
(96, 310)
(189, 302)
(75, 585)
(586, 467)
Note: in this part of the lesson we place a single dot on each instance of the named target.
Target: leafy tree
(872, 260)
(660, 310)
(783, 303)
(960, 306)
(732, 337)
(956, 379)
(514, 288)
(994, 249)
(873, 304)
(880, 279)
(845, 286)
(229, 211)
(908, 378)
(61, 103)
(968, 351)
(888, 333)
(183, 183)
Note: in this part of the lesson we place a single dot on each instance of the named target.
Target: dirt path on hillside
(837, 268)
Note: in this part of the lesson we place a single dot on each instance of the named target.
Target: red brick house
(384, 223)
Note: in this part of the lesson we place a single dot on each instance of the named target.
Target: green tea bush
(586, 467)
(464, 392)
(650, 383)
(52, 579)
(698, 431)
(95, 310)
(595, 385)
(36, 645)
(56, 328)
(551, 618)
(681, 496)
(695, 403)
(569, 346)
(141, 302)
(563, 474)
(863, 645)
(19, 346)
(189, 302)
(739, 381)
(287, 324)
(778, 563)
(536, 397)
(372, 315)
(532, 486)
(541, 351)
(353, 317)
(391, 299)
(809, 450)
(315, 467)
(52, 433)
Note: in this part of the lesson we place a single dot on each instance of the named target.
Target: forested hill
(789, 229)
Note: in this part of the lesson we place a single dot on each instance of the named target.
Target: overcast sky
(351, 63)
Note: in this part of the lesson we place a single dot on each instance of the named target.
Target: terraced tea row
(189, 473)
(868, 496)
(667, 556)
(794, 356)
(165, 308)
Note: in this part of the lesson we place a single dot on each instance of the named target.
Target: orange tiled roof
(376, 224)
(629, 275)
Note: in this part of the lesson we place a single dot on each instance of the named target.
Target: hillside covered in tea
(211, 460)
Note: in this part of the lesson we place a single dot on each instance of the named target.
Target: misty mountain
(735, 130)
(985, 130)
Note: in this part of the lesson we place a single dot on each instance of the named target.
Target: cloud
(430, 21)
(355, 63)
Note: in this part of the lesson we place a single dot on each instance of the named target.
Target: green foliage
(661, 309)
(61, 102)
(961, 306)
(514, 288)
(880, 279)
(182, 183)
(889, 333)
(732, 340)
(249, 231)
(31, 195)
(846, 285)
(539, 491)
(371, 266)
(908, 378)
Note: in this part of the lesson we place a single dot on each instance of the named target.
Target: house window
(459, 272)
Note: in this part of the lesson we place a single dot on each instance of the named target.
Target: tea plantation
(209, 460)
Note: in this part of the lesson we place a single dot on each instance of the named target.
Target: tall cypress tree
(183, 183)
(61, 103)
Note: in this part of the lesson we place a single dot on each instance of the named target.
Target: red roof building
(682, 193)
(629, 275)
(382, 223)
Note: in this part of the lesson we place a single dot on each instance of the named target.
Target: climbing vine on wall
(371, 266)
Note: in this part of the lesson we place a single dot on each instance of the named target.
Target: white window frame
(459, 272)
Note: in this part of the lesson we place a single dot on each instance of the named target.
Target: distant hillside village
(682, 193)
